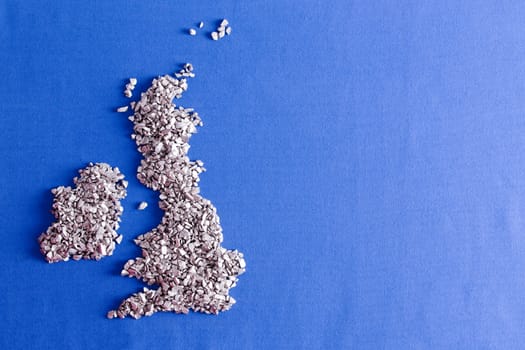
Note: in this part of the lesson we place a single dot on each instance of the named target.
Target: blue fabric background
(366, 156)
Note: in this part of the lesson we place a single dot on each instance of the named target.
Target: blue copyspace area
(366, 157)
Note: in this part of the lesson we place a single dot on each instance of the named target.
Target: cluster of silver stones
(183, 254)
(87, 216)
(222, 30)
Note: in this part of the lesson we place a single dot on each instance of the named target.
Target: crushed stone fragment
(185, 72)
(128, 91)
(119, 239)
(222, 30)
(142, 205)
(183, 255)
(87, 216)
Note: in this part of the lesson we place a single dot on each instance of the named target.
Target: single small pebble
(192, 31)
(119, 239)
(122, 109)
(224, 22)
(142, 205)
(228, 30)
(201, 25)
(133, 81)
(214, 35)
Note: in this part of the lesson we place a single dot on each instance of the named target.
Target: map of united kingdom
(182, 257)
(183, 254)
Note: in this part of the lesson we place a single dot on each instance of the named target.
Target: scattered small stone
(201, 25)
(142, 205)
(130, 87)
(122, 109)
(222, 30)
(192, 31)
(183, 255)
(185, 72)
(87, 216)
